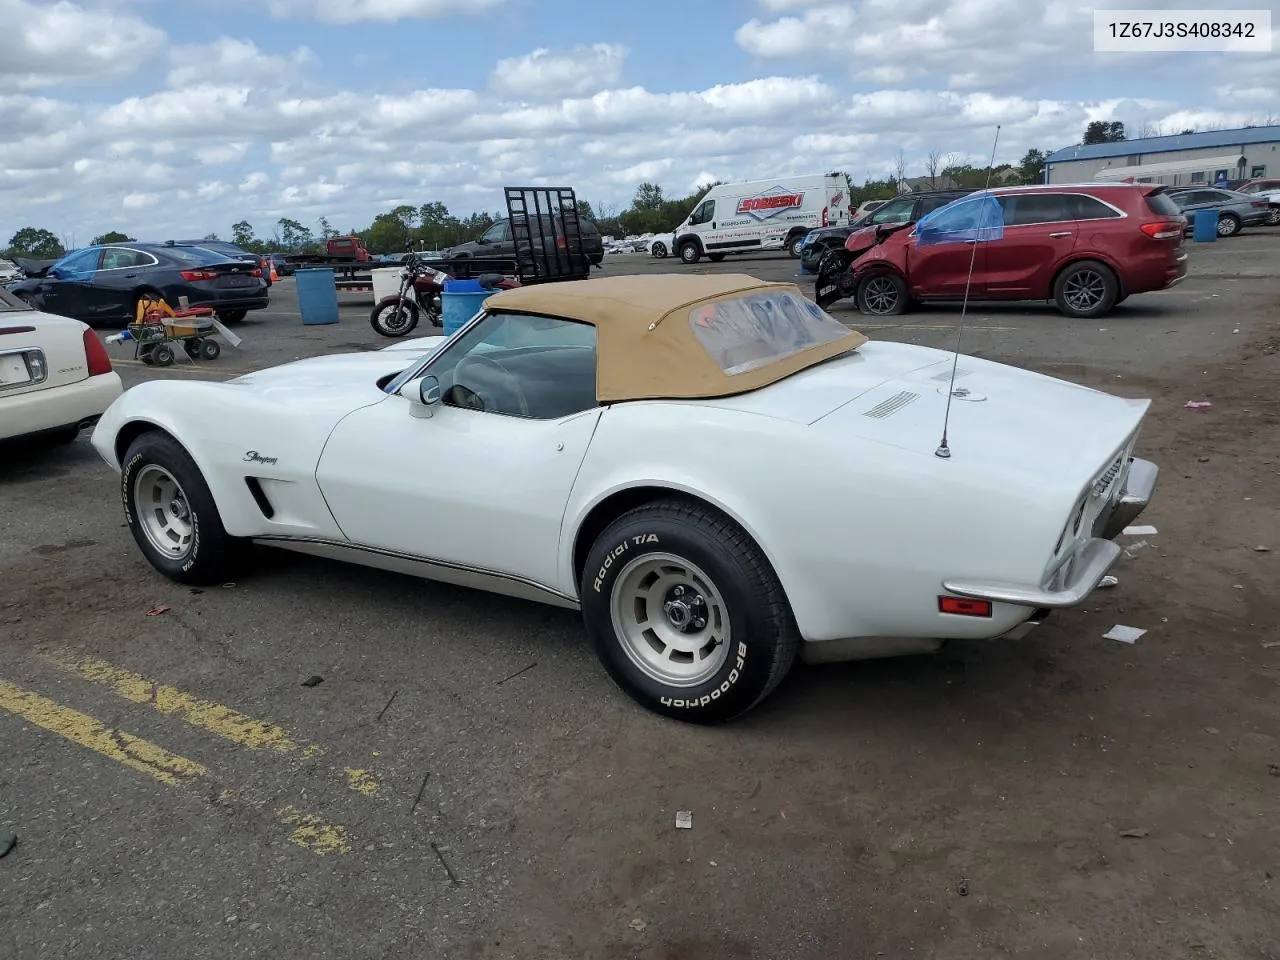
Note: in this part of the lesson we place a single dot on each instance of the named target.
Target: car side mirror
(423, 395)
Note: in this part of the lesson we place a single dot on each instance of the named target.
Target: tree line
(431, 226)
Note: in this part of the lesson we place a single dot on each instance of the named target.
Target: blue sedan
(102, 284)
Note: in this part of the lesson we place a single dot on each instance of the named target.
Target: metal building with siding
(1241, 154)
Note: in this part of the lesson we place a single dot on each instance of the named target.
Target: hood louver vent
(887, 408)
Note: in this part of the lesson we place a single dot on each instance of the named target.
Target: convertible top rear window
(747, 332)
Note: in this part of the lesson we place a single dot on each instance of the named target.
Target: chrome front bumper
(1078, 578)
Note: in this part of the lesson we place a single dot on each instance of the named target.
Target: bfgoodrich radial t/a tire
(686, 613)
(172, 516)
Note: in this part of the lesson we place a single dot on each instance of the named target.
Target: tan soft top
(688, 335)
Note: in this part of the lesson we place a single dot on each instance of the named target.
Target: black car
(103, 283)
(497, 242)
(231, 251)
(905, 208)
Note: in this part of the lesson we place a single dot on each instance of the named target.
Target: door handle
(1061, 233)
(131, 276)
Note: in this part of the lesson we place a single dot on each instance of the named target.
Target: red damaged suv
(1084, 246)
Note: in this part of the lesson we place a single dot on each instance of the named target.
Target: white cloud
(255, 129)
(238, 60)
(52, 44)
(544, 73)
(382, 11)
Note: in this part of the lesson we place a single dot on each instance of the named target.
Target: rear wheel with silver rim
(1273, 217)
(1086, 289)
(686, 613)
(172, 515)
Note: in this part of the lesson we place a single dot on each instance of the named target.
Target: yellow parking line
(308, 831)
(212, 717)
(314, 834)
(133, 752)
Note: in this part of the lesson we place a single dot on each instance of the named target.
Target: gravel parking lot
(466, 782)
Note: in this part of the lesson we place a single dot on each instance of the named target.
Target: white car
(10, 272)
(660, 246)
(55, 375)
(716, 472)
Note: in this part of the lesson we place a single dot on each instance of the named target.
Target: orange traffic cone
(275, 277)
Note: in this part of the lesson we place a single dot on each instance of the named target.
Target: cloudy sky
(180, 117)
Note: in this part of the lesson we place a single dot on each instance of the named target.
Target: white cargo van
(762, 215)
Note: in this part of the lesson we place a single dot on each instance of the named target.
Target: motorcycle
(419, 293)
(421, 286)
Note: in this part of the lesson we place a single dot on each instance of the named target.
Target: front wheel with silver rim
(172, 514)
(1086, 289)
(659, 250)
(882, 295)
(685, 612)
(394, 318)
(1228, 225)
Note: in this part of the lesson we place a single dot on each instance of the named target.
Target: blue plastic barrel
(1205, 226)
(459, 302)
(317, 295)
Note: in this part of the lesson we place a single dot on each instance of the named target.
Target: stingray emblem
(253, 456)
(770, 203)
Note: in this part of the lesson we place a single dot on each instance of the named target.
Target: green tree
(326, 232)
(242, 234)
(1103, 131)
(210, 236)
(584, 210)
(1031, 165)
(293, 235)
(111, 236)
(36, 243)
(648, 197)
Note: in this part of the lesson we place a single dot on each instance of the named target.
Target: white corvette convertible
(715, 471)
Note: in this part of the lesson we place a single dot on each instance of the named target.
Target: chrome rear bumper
(1139, 487)
(1078, 578)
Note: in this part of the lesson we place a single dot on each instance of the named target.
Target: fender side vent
(886, 408)
(260, 497)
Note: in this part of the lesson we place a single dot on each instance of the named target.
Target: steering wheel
(510, 383)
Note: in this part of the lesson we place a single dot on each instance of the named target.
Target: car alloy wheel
(1273, 217)
(1228, 226)
(880, 295)
(1084, 290)
(671, 619)
(163, 512)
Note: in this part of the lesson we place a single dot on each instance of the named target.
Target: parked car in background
(662, 245)
(55, 375)
(283, 267)
(905, 208)
(1235, 210)
(868, 206)
(699, 572)
(102, 284)
(1086, 247)
(230, 250)
(9, 272)
(1268, 190)
(498, 243)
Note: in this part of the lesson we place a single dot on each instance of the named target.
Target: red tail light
(824, 216)
(193, 275)
(560, 244)
(960, 606)
(95, 355)
(1164, 229)
(255, 273)
(1258, 203)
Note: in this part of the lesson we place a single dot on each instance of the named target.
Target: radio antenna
(943, 450)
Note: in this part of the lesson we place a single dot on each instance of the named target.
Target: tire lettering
(720, 691)
(645, 538)
(613, 555)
